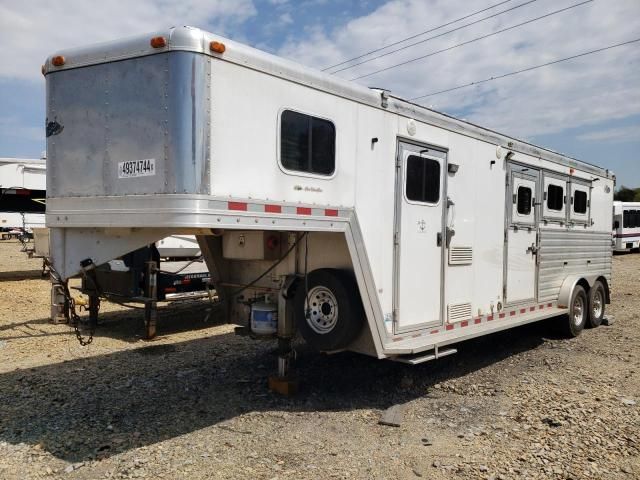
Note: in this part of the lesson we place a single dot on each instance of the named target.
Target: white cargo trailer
(626, 226)
(371, 223)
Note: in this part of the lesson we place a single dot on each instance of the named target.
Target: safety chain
(75, 321)
(74, 317)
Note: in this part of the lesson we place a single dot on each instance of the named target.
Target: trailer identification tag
(137, 168)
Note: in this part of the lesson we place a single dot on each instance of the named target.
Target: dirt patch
(194, 403)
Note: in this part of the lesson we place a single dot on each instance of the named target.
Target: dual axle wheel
(585, 310)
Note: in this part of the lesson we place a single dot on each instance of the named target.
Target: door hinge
(395, 239)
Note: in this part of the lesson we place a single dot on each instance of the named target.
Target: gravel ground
(194, 402)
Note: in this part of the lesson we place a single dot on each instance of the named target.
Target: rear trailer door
(419, 246)
(521, 237)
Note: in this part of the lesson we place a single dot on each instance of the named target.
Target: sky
(587, 108)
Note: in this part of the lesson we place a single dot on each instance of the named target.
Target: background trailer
(370, 223)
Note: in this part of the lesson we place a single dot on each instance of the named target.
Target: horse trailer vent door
(460, 255)
(458, 312)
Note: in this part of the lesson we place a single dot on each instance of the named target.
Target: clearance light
(217, 47)
(58, 60)
(158, 42)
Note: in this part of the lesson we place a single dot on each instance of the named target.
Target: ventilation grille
(458, 312)
(460, 255)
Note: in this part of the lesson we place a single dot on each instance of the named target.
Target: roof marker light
(58, 60)
(158, 42)
(217, 47)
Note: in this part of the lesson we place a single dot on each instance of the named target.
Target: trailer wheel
(334, 315)
(578, 313)
(597, 300)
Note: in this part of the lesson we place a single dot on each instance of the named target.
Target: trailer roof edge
(196, 40)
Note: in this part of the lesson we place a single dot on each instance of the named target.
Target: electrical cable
(555, 12)
(525, 69)
(429, 38)
(269, 270)
(415, 36)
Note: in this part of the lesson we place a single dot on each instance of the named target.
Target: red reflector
(186, 281)
(237, 206)
(58, 60)
(169, 290)
(330, 213)
(217, 47)
(303, 211)
(273, 209)
(158, 42)
(464, 323)
(477, 320)
(23, 191)
(449, 327)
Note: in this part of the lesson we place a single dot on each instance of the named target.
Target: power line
(472, 40)
(416, 35)
(429, 38)
(526, 69)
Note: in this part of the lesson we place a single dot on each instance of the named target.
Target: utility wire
(415, 36)
(429, 38)
(473, 40)
(525, 69)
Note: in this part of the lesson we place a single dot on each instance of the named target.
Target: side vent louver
(458, 312)
(460, 255)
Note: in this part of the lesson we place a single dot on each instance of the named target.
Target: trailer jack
(284, 382)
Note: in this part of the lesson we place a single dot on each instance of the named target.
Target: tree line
(625, 194)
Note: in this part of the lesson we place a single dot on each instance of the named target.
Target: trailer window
(423, 179)
(580, 202)
(555, 197)
(524, 200)
(307, 144)
(631, 219)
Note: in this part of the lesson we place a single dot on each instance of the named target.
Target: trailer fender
(569, 284)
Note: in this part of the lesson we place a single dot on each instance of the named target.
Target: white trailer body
(22, 186)
(626, 226)
(446, 230)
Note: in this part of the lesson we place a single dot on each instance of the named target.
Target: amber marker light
(58, 60)
(217, 47)
(158, 42)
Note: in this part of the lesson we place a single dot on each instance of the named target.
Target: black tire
(336, 312)
(597, 300)
(578, 315)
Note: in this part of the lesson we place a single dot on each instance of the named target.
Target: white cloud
(32, 30)
(630, 133)
(585, 91)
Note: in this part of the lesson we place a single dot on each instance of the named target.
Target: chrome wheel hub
(598, 301)
(578, 310)
(321, 310)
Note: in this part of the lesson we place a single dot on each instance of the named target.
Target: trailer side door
(419, 245)
(521, 235)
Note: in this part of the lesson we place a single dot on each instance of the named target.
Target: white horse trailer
(22, 193)
(626, 226)
(371, 223)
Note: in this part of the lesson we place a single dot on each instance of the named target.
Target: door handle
(533, 249)
(450, 232)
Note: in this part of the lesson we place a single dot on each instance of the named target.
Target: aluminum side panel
(563, 253)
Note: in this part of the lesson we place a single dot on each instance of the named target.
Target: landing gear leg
(151, 304)
(285, 382)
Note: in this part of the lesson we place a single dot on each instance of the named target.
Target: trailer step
(418, 359)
